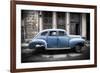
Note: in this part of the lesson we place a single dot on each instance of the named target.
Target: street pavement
(54, 55)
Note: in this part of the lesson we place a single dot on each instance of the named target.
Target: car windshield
(44, 33)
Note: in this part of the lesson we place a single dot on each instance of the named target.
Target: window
(61, 20)
(75, 23)
(47, 19)
(62, 33)
(44, 33)
(53, 33)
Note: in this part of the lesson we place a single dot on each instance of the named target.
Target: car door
(63, 39)
(52, 39)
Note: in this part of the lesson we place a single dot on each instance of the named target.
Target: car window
(53, 33)
(61, 33)
(44, 33)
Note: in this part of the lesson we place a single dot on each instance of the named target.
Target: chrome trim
(57, 48)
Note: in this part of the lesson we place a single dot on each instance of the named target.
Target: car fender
(39, 41)
(74, 41)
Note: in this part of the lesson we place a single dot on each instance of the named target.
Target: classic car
(56, 39)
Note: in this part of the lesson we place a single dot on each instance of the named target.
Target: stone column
(54, 20)
(84, 25)
(40, 21)
(68, 22)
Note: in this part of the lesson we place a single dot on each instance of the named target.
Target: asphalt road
(57, 55)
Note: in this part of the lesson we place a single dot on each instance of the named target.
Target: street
(54, 55)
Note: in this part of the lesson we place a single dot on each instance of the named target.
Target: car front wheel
(78, 48)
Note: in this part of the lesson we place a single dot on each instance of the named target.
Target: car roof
(49, 30)
(53, 30)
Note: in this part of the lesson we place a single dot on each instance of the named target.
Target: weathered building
(34, 21)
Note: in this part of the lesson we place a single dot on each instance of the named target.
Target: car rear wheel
(78, 48)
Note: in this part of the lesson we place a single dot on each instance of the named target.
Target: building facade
(34, 21)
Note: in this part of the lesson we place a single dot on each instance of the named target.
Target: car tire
(78, 48)
(39, 50)
(34, 52)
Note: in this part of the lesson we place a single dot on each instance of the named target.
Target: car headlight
(38, 45)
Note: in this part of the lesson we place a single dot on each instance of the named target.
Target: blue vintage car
(56, 39)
